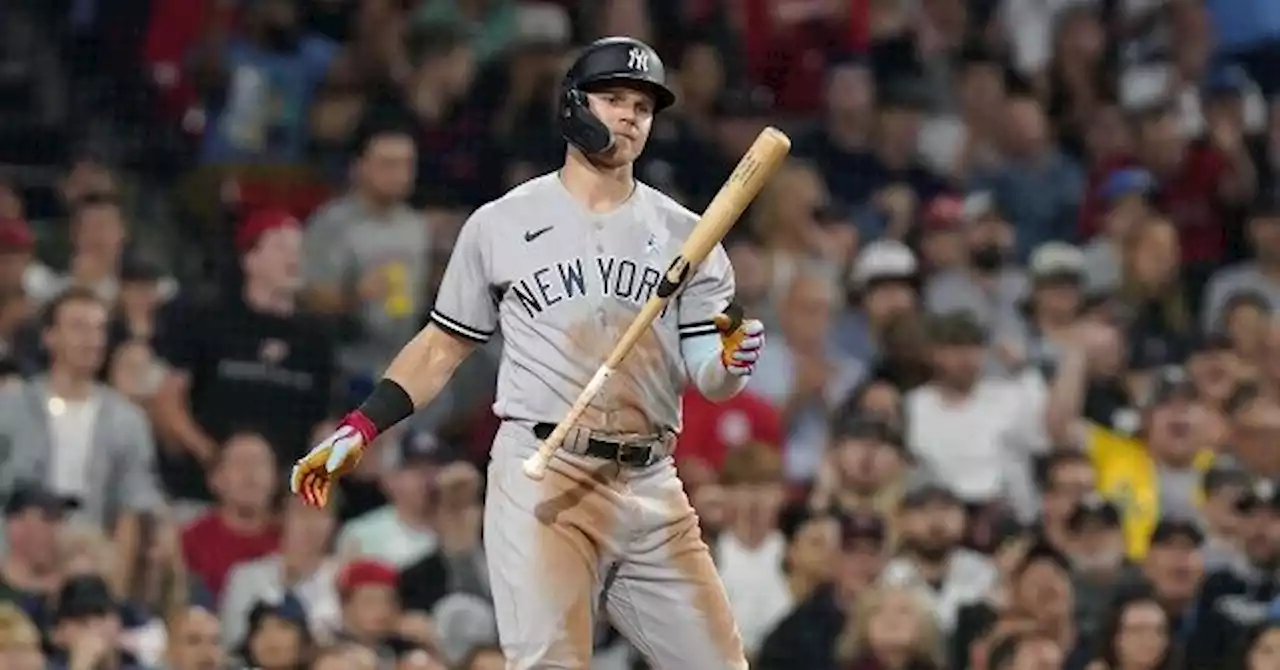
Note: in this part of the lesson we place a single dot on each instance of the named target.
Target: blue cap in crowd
(1127, 181)
(1225, 82)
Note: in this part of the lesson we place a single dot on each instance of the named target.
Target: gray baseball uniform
(563, 283)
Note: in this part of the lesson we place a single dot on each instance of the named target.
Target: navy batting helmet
(610, 60)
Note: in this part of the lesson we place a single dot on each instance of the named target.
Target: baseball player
(562, 264)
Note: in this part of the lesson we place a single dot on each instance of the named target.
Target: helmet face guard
(612, 60)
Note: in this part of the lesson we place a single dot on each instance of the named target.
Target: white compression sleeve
(701, 355)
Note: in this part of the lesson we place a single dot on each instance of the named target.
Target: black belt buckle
(632, 455)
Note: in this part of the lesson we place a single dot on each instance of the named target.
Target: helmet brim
(663, 97)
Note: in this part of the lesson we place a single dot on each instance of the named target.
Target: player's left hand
(741, 341)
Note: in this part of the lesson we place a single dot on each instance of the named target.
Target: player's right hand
(314, 474)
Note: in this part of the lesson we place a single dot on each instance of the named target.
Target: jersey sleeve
(707, 294)
(464, 304)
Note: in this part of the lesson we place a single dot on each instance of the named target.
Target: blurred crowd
(1019, 410)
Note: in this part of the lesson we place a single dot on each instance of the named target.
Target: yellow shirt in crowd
(1127, 476)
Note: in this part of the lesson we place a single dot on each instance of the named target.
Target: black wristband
(388, 405)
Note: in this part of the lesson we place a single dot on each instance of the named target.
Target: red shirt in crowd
(211, 548)
(1189, 197)
(711, 429)
(790, 56)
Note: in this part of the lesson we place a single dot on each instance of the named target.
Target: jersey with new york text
(562, 284)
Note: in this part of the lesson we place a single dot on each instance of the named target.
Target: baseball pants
(594, 535)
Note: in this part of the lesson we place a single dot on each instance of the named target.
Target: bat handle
(535, 466)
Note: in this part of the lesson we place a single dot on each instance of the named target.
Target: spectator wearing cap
(1173, 570)
(458, 563)
(403, 531)
(1036, 186)
(277, 637)
(367, 253)
(370, 604)
(1236, 597)
(864, 468)
(973, 429)
(803, 377)
(243, 526)
(1100, 566)
(33, 516)
(88, 442)
(243, 362)
(304, 567)
(1035, 333)
(1260, 275)
(86, 627)
(932, 558)
(1154, 475)
(883, 285)
(1225, 486)
(986, 285)
(807, 636)
(193, 640)
(1125, 195)
(749, 554)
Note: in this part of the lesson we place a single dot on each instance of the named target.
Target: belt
(639, 453)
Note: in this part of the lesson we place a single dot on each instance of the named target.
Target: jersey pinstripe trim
(460, 329)
(698, 328)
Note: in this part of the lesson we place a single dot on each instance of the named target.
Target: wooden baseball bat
(756, 167)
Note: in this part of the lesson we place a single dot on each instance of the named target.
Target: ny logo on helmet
(638, 59)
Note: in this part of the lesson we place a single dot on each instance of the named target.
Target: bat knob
(535, 467)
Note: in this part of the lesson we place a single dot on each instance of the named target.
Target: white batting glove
(740, 344)
(314, 474)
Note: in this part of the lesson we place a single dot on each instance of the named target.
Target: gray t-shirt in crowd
(1179, 492)
(346, 241)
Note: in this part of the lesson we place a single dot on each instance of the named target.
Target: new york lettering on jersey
(621, 278)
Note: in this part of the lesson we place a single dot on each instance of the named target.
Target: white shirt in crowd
(755, 585)
(383, 535)
(981, 444)
(263, 579)
(969, 577)
(71, 424)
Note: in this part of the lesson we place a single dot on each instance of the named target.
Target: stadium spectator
(193, 640)
(243, 526)
(243, 362)
(31, 567)
(78, 437)
(304, 567)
